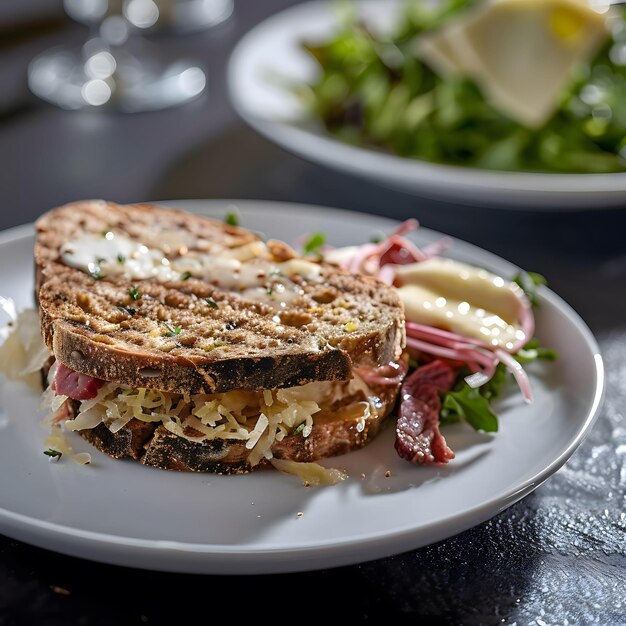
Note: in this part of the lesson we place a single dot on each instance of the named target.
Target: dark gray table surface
(557, 557)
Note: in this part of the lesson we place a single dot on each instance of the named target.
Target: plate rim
(329, 151)
(329, 553)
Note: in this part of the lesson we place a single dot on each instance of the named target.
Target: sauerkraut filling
(258, 418)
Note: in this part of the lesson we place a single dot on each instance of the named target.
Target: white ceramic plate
(273, 49)
(124, 513)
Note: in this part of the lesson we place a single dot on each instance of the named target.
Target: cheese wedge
(463, 299)
(520, 52)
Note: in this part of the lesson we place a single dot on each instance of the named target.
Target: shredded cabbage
(23, 352)
(57, 441)
(258, 418)
(310, 473)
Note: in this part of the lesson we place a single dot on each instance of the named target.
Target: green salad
(376, 92)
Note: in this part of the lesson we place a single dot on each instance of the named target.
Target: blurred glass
(117, 67)
(179, 16)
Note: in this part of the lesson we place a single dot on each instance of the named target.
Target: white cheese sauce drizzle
(248, 269)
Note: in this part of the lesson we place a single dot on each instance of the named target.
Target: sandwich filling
(258, 419)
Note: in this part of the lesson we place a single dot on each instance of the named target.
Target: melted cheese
(521, 52)
(463, 299)
(248, 269)
(310, 473)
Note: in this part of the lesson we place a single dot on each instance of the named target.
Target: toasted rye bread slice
(191, 335)
(335, 432)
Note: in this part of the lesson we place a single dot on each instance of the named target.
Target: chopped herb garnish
(314, 244)
(529, 281)
(376, 238)
(100, 260)
(121, 259)
(185, 276)
(269, 290)
(173, 331)
(52, 453)
(211, 302)
(298, 430)
(133, 292)
(97, 275)
(232, 218)
(127, 309)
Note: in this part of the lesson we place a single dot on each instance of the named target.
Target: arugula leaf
(533, 351)
(469, 405)
(529, 281)
(473, 405)
(492, 388)
(374, 91)
(314, 244)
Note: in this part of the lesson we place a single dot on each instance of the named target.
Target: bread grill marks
(334, 433)
(238, 344)
(147, 224)
(77, 346)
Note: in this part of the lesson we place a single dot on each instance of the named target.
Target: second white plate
(271, 56)
(124, 513)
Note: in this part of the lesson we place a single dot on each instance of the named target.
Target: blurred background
(201, 149)
(50, 155)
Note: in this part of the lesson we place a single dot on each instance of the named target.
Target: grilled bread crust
(226, 342)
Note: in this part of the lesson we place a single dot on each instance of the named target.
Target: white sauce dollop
(248, 269)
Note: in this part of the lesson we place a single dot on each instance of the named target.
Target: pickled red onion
(382, 259)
